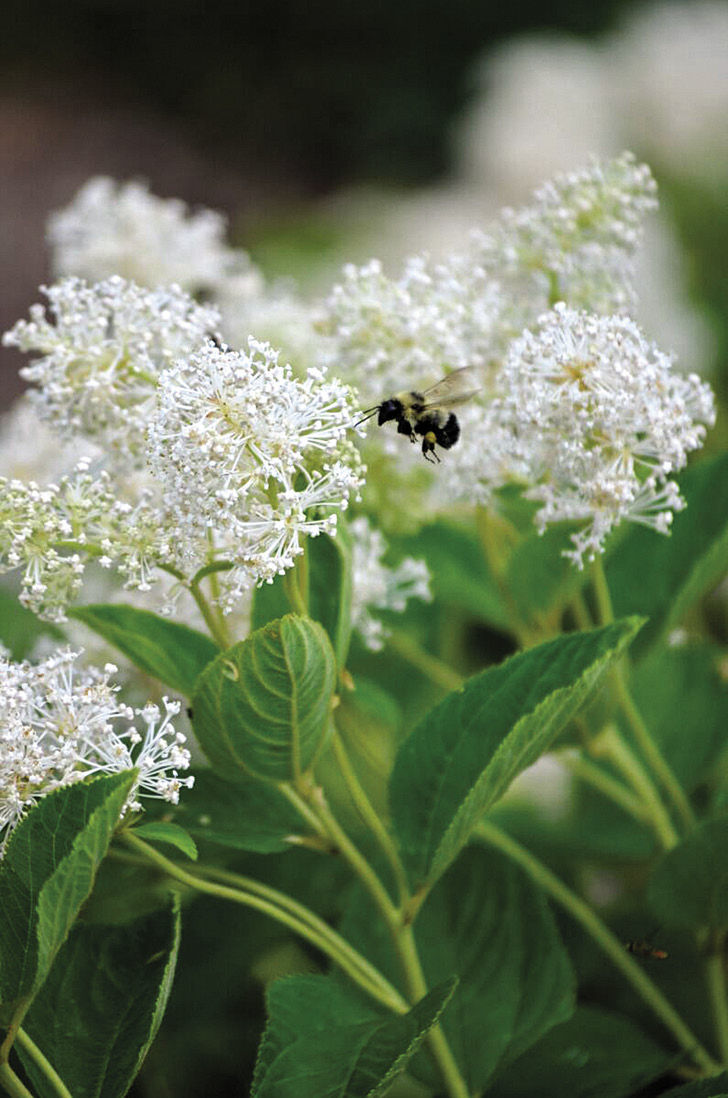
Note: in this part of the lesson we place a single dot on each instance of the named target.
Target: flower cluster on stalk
(62, 722)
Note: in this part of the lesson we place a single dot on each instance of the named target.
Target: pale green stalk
(11, 1084)
(43, 1064)
(605, 939)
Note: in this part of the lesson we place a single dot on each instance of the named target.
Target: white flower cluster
(58, 726)
(120, 228)
(102, 349)
(209, 454)
(390, 334)
(251, 457)
(600, 421)
(576, 242)
(376, 586)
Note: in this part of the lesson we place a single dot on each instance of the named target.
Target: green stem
(427, 665)
(293, 593)
(12, 1085)
(715, 976)
(643, 738)
(293, 915)
(43, 1065)
(611, 745)
(218, 632)
(370, 816)
(600, 779)
(605, 939)
(656, 760)
(400, 932)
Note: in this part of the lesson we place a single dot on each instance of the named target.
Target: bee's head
(389, 409)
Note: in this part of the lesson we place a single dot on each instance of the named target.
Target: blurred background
(330, 132)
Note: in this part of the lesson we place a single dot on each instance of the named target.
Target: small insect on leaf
(642, 948)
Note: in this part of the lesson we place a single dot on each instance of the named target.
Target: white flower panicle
(576, 242)
(376, 586)
(113, 228)
(59, 724)
(102, 349)
(599, 422)
(251, 457)
(393, 334)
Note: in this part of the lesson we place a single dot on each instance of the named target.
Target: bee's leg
(428, 448)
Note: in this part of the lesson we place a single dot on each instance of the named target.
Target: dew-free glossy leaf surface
(47, 873)
(465, 753)
(161, 831)
(323, 1042)
(100, 1008)
(166, 650)
(689, 886)
(262, 707)
(661, 577)
(488, 925)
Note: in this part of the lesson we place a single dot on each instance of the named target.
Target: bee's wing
(456, 388)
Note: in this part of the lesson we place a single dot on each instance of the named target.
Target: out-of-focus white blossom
(102, 349)
(601, 421)
(59, 724)
(250, 459)
(113, 228)
(376, 586)
(575, 242)
(670, 74)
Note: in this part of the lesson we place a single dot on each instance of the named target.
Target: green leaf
(661, 577)
(47, 873)
(20, 629)
(160, 831)
(262, 707)
(689, 887)
(323, 1042)
(172, 653)
(329, 587)
(684, 693)
(595, 1053)
(460, 574)
(100, 1008)
(466, 752)
(486, 923)
(246, 814)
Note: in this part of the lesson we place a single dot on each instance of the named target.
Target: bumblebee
(427, 413)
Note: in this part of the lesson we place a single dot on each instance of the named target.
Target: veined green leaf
(323, 1042)
(245, 814)
(48, 871)
(100, 1008)
(661, 577)
(170, 652)
(161, 831)
(466, 752)
(262, 707)
(489, 925)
